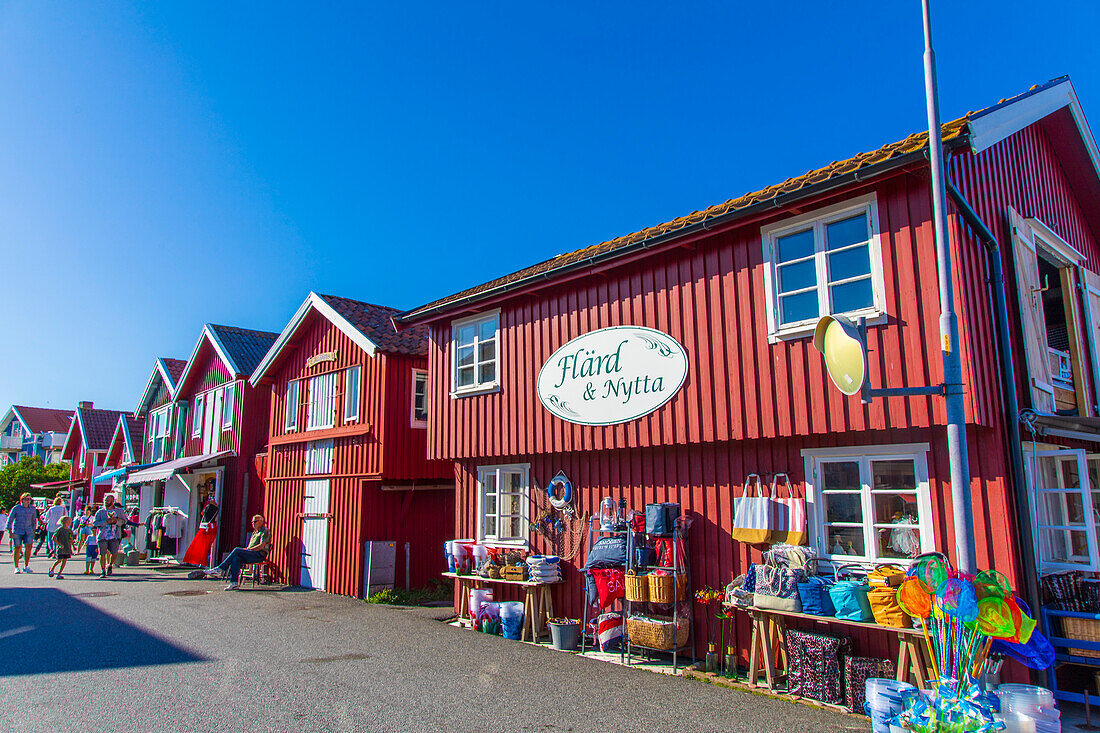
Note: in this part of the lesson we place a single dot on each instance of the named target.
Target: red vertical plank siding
(388, 449)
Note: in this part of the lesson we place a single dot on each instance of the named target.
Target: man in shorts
(108, 523)
(22, 522)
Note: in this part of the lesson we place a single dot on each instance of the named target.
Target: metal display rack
(594, 533)
(681, 574)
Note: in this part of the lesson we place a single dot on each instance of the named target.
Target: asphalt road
(152, 651)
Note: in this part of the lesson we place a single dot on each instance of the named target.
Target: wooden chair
(259, 573)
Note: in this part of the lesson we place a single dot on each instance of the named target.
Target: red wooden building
(346, 462)
(206, 436)
(739, 286)
(85, 448)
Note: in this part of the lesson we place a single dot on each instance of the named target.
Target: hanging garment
(173, 526)
(198, 552)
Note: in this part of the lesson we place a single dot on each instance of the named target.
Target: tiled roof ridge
(239, 329)
(359, 302)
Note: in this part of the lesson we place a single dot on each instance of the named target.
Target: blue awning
(116, 473)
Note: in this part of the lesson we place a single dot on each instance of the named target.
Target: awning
(168, 468)
(1064, 426)
(111, 475)
(61, 485)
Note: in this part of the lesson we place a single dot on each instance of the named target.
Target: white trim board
(312, 302)
(159, 367)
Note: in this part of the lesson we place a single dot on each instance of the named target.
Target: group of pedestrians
(98, 533)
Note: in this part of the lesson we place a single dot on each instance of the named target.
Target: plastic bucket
(449, 556)
(564, 636)
(511, 619)
(479, 596)
(1016, 698)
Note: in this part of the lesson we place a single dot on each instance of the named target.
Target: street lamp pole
(961, 504)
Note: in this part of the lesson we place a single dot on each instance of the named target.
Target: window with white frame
(351, 394)
(869, 503)
(227, 405)
(291, 422)
(321, 409)
(196, 416)
(158, 434)
(1064, 494)
(826, 262)
(420, 398)
(503, 503)
(318, 457)
(475, 349)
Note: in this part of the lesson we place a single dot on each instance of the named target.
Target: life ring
(560, 491)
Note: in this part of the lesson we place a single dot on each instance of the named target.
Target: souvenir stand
(609, 523)
(1071, 620)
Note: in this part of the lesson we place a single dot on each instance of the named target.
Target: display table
(538, 605)
(769, 642)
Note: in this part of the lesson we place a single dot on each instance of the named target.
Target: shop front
(675, 366)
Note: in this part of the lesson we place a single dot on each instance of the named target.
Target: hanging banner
(613, 375)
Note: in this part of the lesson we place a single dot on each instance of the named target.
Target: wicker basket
(515, 572)
(1082, 629)
(637, 587)
(661, 588)
(657, 634)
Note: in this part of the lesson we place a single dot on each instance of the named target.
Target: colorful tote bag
(752, 514)
(788, 513)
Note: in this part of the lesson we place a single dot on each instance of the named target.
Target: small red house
(85, 448)
(207, 436)
(735, 291)
(346, 462)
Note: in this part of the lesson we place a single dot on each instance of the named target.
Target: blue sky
(163, 165)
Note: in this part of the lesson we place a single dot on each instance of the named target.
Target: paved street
(172, 657)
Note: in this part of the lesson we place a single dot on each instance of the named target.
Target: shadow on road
(43, 630)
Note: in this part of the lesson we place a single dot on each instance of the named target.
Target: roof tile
(45, 419)
(376, 323)
(246, 347)
(99, 426)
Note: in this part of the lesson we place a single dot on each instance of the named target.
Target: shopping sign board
(613, 375)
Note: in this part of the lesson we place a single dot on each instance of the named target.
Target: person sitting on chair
(258, 545)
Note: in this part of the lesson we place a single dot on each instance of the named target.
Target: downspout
(1011, 398)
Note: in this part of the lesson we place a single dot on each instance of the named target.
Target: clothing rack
(155, 550)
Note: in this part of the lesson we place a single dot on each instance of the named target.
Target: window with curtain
(321, 409)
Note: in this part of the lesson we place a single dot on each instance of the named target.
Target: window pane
(511, 504)
(491, 526)
(846, 231)
(465, 376)
(898, 542)
(491, 504)
(897, 475)
(488, 373)
(487, 329)
(466, 355)
(1068, 508)
(849, 263)
(895, 508)
(845, 540)
(840, 476)
(515, 529)
(489, 480)
(799, 307)
(852, 296)
(513, 482)
(466, 334)
(487, 351)
(1064, 545)
(795, 246)
(797, 276)
(843, 508)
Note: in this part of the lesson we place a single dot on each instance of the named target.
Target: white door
(315, 533)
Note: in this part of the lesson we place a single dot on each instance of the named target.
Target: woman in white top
(52, 519)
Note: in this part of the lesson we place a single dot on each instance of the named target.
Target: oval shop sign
(613, 375)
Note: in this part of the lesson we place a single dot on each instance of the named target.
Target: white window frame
(198, 413)
(1086, 490)
(524, 469)
(158, 422)
(318, 457)
(290, 420)
(228, 407)
(478, 387)
(419, 375)
(817, 219)
(316, 417)
(352, 397)
(864, 455)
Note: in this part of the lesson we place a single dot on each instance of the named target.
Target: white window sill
(478, 389)
(419, 425)
(806, 330)
(517, 544)
(351, 420)
(314, 428)
(227, 428)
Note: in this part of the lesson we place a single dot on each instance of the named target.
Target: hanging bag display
(788, 521)
(752, 513)
(660, 519)
(849, 597)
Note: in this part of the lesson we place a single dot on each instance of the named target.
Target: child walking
(63, 544)
(87, 540)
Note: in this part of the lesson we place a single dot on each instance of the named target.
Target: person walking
(85, 530)
(22, 522)
(258, 545)
(52, 520)
(63, 545)
(109, 522)
(3, 524)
